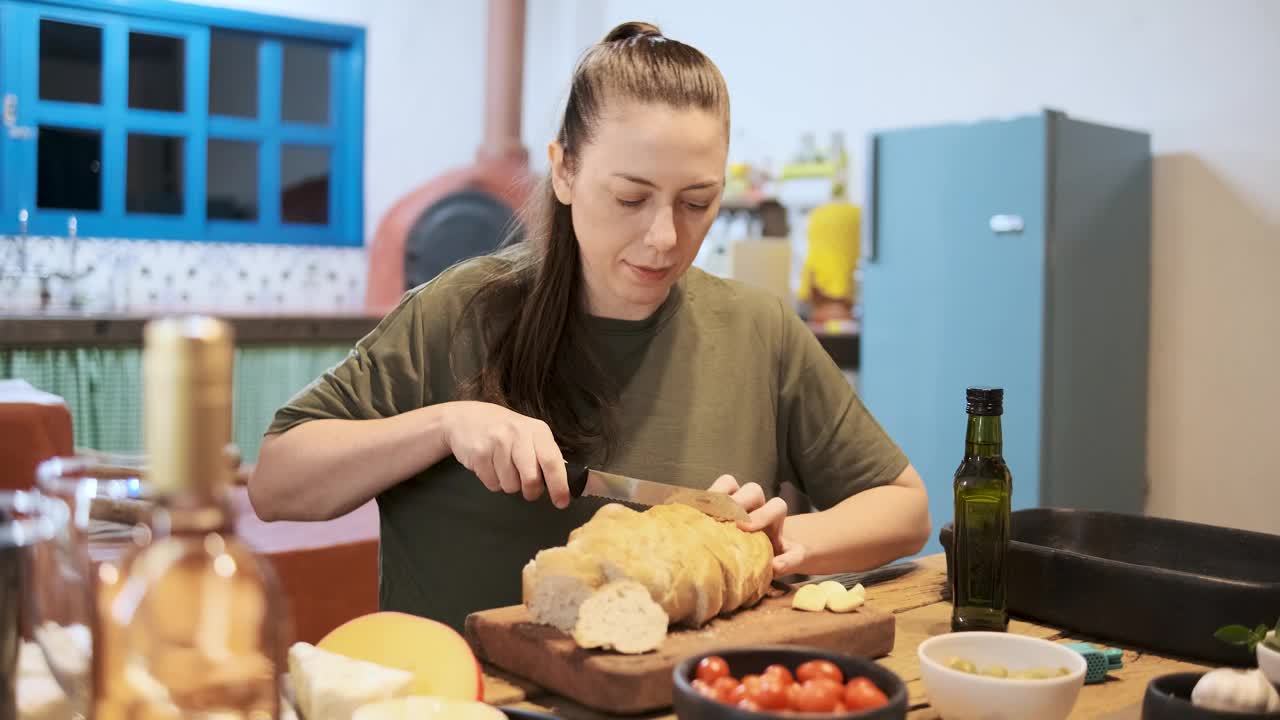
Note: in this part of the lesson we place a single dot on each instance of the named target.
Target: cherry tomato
(769, 694)
(703, 688)
(712, 667)
(840, 708)
(737, 695)
(832, 685)
(750, 681)
(723, 687)
(746, 704)
(817, 697)
(781, 672)
(862, 694)
(819, 668)
(793, 692)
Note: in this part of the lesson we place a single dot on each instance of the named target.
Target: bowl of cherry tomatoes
(786, 681)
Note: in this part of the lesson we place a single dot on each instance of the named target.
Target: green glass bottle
(980, 546)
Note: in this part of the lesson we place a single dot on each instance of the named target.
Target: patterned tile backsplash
(140, 276)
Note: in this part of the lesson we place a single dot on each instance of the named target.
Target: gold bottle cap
(187, 374)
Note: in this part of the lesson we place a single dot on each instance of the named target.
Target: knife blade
(585, 481)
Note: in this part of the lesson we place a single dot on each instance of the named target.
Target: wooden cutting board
(626, 684)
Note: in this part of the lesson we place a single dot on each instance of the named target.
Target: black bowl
(1169, 698)
(691, 705)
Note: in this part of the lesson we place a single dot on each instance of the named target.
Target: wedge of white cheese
(329, 686)
(423, 707)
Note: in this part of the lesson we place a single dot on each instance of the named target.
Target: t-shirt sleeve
(835, 446)
(385, 374)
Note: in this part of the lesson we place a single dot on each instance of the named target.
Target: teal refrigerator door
(948, 302)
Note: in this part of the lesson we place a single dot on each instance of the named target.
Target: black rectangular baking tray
(1150, 583)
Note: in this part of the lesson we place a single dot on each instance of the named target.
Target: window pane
(69, 169)
(70, 62)
(304, 174)
(306, 84)
(233, 74)
(156, 72)
(154, 183)
(233, 180)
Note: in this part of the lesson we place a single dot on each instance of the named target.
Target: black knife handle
(577, 476)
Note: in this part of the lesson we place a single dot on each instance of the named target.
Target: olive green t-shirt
(722, 378)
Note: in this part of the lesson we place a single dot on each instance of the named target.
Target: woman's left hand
(769, 516)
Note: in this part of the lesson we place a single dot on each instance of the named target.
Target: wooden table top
(916, 600)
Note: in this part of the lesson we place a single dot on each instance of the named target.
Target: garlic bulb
(1240, 690)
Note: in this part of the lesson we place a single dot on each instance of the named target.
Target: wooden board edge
(644, 693)
(642, 696)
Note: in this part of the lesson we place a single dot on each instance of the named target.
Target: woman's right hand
(508, 451)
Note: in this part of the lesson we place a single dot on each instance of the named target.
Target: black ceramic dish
(515, 714)
(1169, 698)
(1159, 584)
(691, 705)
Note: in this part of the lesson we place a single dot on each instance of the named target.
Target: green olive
(1000, 671)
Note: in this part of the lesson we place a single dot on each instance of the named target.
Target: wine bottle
(190, 622)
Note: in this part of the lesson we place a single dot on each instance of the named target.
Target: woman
(593, 341)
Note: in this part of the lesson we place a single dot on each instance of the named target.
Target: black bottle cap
(985, 401)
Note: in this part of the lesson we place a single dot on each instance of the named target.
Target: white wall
(1199, 75)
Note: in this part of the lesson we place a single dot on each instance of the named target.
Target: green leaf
(1234, 635)
(1241, 635)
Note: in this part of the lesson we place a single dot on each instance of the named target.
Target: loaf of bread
(625, 576)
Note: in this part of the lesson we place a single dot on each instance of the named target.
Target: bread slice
(329, 686)
(691, 566)
(621, 616)
(746, 564)
(640, 547)
(556, 582)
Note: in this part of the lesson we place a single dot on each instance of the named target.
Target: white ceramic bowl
(958, 695)
(1269, 660)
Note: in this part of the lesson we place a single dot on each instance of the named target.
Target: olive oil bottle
(980, 548)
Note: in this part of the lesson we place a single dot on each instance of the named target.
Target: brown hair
(538, 360)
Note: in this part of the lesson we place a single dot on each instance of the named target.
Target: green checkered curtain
(116, 415)
(266, 377)
(103, 388)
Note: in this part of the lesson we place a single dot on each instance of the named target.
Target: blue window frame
(154, 119)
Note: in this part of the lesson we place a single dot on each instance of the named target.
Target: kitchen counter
(916, 600)
(63, 329)
(68, 329)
